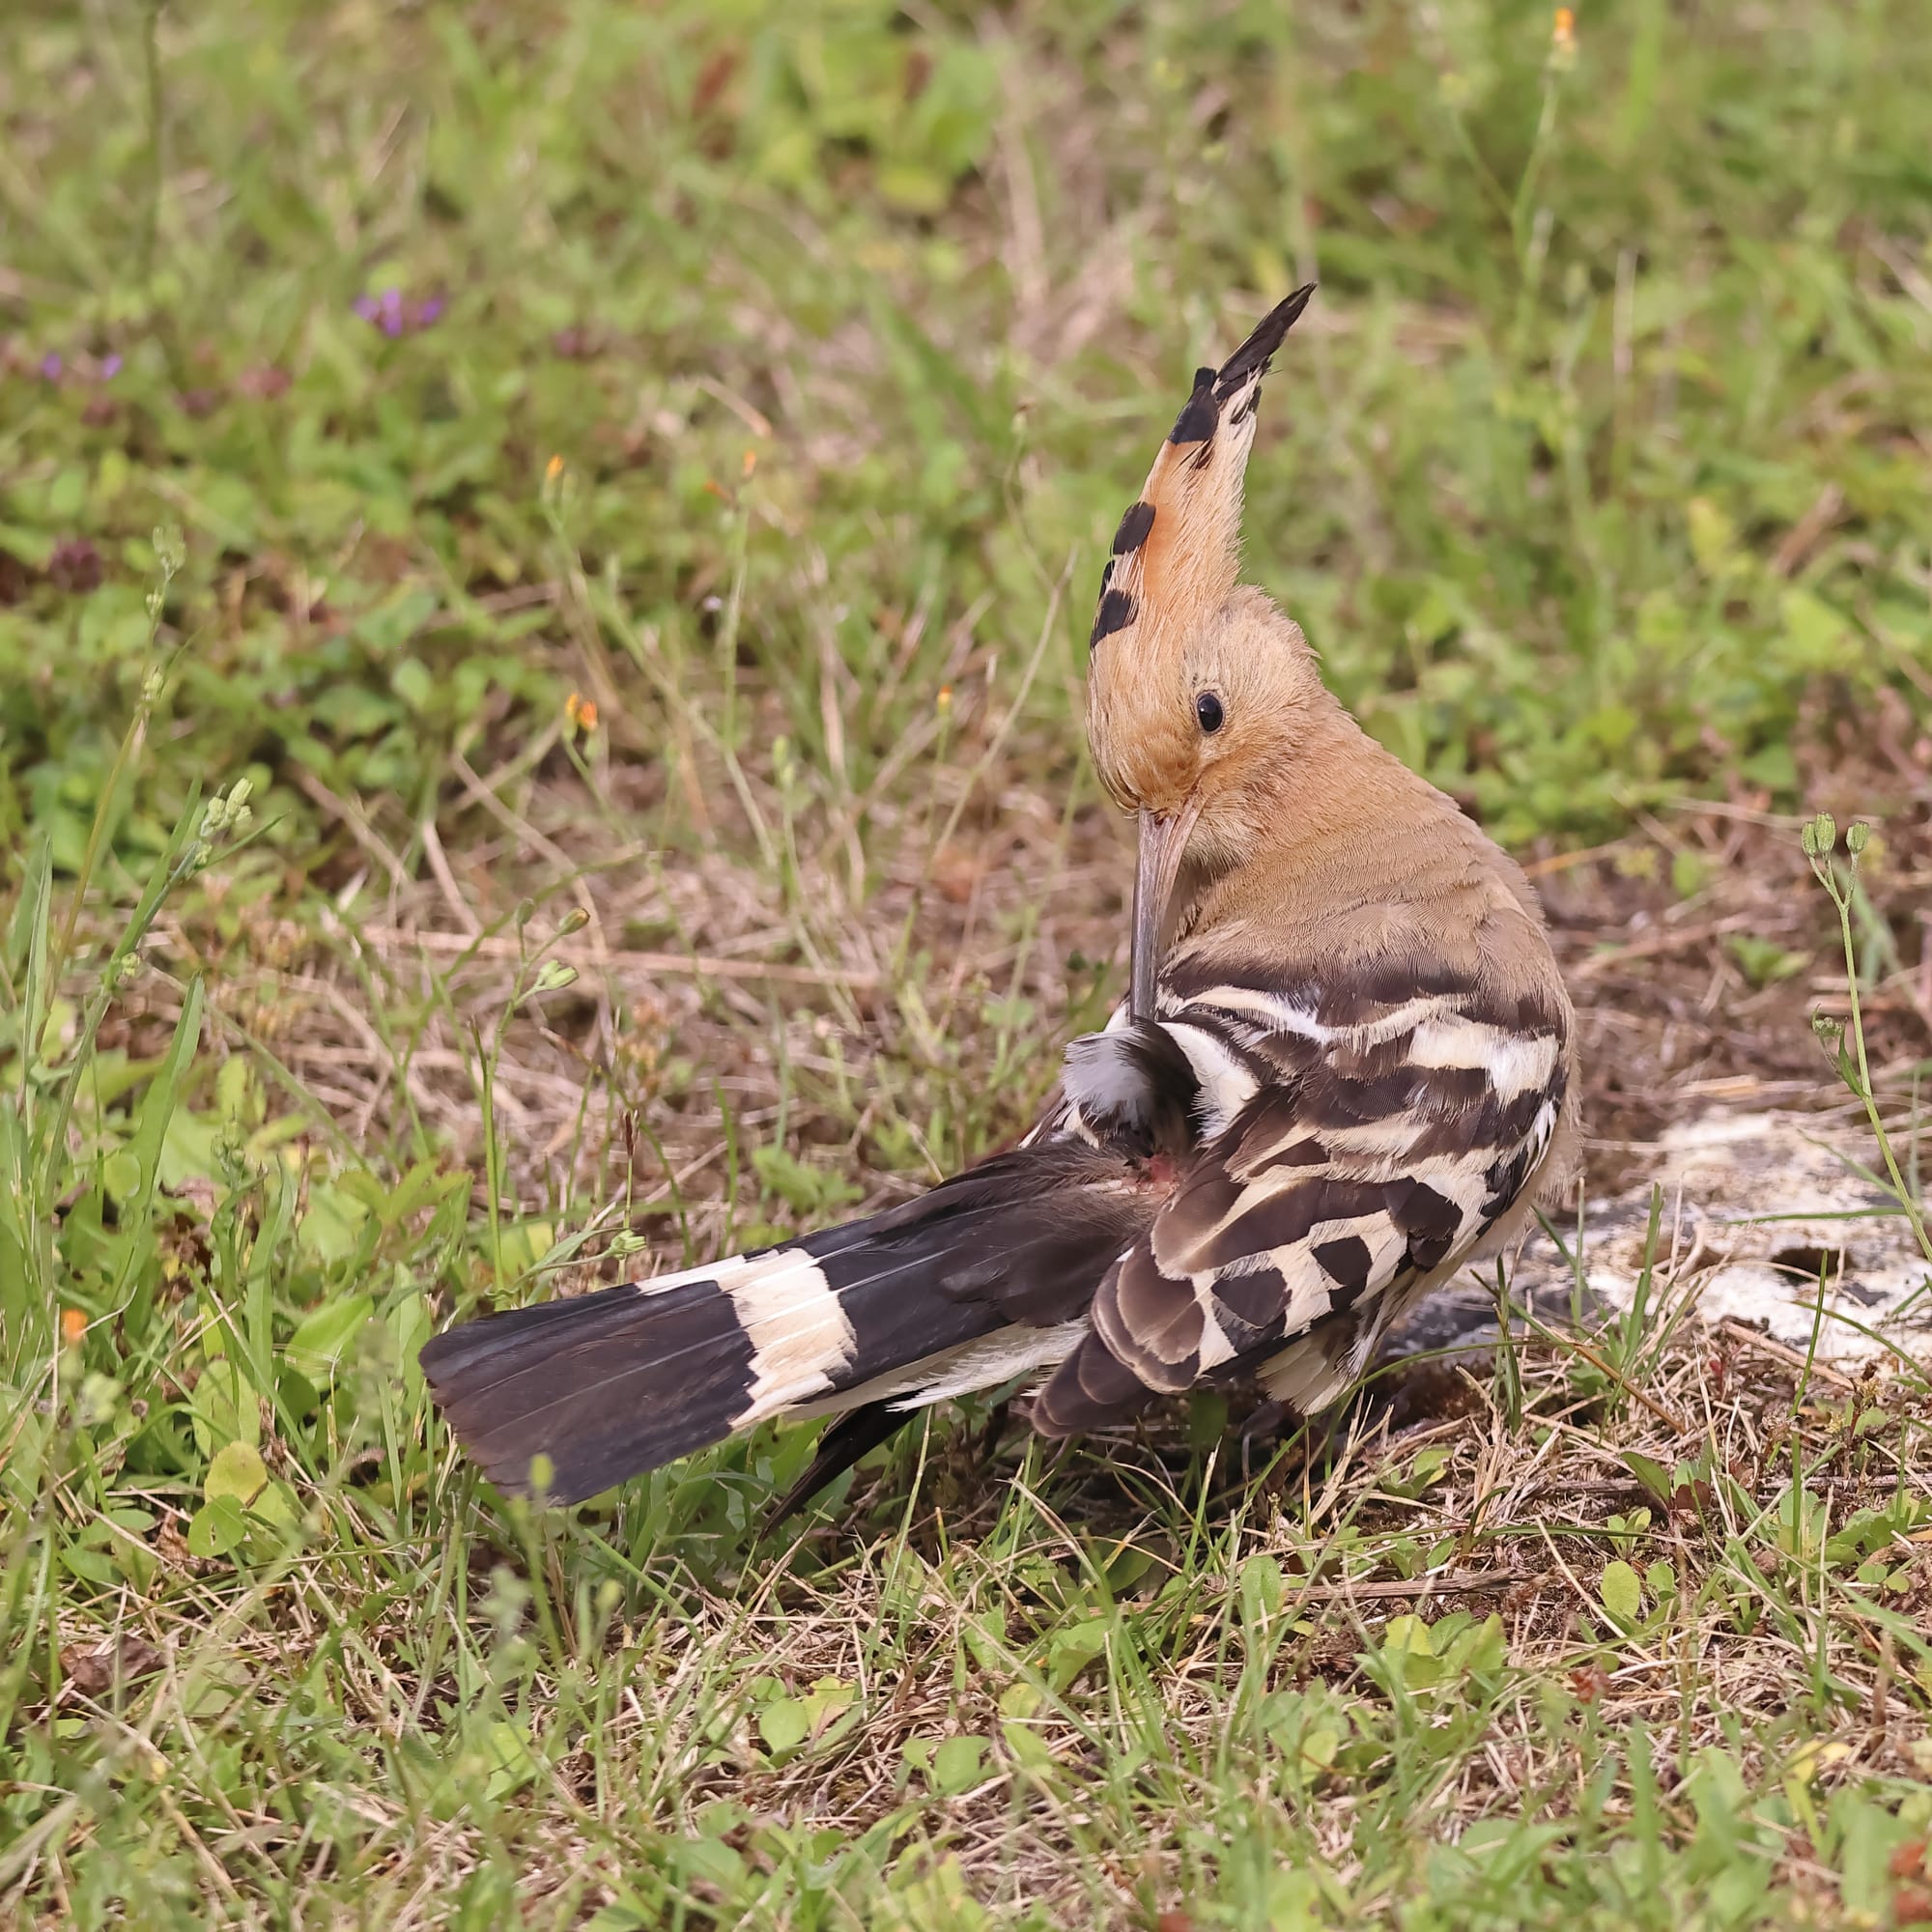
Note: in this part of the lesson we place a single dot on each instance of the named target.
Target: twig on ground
(1440, 1582)
(1778, 1351)
(700, 965)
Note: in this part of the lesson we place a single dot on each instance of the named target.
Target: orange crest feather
(1177, 550)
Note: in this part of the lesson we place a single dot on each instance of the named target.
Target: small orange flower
(73, 1328)
(581, 711)
(553, 469)
(750, 460)
(946, 697)
(1563, 29)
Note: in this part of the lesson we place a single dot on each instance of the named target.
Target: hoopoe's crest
(1343, 1070)
(1158, 693)
(1178, 548)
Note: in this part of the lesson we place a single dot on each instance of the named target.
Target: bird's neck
(1340, 822)
(1331, 788)
(1342, 788)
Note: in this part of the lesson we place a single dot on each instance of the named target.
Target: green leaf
(1025, 1745)
(1407, 1633)
(1477, 1651)
(1713, 536)
(1650, 1472)
(1262, 1587)
(413, 683)
(216, 1528)
(239, 1475)
(1070, 1652)
(809, 1190)
(1207, 1419)
(274, 1505)
(527, 1243)
(238, 1471)
(323, 1338)
(784, 1724)
(830, 1699)
(959, 1764)
(1817, 633)
(1127, 1566)
(1019, 1700)
(120, 1175)
(410, 1325)
(1765, 961)
(1801, 1518)
(1622, 1595)
(1408, 1653)
(710, 1862)
(224, 1407)
(332, 1229)
(156, 1113)
(620, 1916)
(512, 1763)
(92, 1566)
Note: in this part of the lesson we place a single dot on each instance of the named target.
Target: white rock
(1753, 1204)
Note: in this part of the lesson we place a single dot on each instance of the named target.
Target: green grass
(1597, 474)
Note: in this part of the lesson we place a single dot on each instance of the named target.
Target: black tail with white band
(984, 1279)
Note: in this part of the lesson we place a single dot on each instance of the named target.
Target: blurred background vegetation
(1598, 473)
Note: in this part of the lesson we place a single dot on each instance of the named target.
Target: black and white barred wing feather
(1357, 1143)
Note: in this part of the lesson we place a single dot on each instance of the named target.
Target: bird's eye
(1207, 709)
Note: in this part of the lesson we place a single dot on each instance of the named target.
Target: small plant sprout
(226, 817)
(170, 554)
(1845, 1040)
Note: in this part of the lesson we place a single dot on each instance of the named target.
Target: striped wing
(1355, 1142)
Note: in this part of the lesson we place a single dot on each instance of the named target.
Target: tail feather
(602, 1385)
(605, 1386)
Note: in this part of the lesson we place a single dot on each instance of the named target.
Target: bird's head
(1200, 691)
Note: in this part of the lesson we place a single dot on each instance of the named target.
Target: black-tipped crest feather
(1174, 554)
(1253, 357)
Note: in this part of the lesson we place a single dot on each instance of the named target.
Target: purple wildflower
(396, 317)
(76, 567)
(110, 367)
(51, 365)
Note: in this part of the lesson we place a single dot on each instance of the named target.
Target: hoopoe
(1345, 1068)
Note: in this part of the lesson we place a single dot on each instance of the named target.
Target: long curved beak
(1163, 844)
